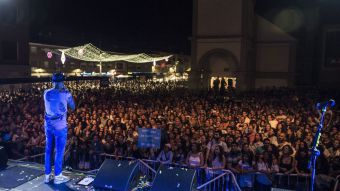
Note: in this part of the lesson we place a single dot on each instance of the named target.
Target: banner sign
(149, 138)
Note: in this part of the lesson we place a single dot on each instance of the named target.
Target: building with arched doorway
(230, 41)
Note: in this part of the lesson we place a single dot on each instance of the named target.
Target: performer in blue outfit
(56, 99)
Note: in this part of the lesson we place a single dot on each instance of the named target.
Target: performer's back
(56, 99)
(56, 102)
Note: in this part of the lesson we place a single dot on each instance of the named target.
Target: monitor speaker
(115, 175)
(174, 178)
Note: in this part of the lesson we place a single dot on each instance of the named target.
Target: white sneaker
(48, 178)
(61, 179)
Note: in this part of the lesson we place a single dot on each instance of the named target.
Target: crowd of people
(267, 130)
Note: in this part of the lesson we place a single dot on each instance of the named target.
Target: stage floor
(37, 184)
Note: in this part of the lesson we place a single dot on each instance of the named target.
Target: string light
(81, 52)
(91, 53)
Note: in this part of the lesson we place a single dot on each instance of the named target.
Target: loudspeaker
(174, 178)
(3, 158)
(115, 175)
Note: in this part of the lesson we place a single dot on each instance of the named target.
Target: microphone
(329, 103)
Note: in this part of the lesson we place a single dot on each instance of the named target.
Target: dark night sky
(128, 25)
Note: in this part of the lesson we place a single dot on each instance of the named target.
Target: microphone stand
(314, 150)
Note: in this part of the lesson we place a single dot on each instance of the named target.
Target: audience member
(250, 131)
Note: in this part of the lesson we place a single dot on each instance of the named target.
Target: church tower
(223, 43)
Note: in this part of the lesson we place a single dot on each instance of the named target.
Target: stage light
(154, 62)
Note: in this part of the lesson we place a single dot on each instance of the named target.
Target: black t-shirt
(96, 146)
(336, 163)
(120, 148)
(136, 154)
(302, 163)
(108, 148)
(322, 165)
(121, 125)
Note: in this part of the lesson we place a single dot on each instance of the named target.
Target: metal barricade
(291, 181)
(262, 181)
(147, 170)
(337, 179)
(218, 180)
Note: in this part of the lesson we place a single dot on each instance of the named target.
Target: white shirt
(56, 106)
(262, 166)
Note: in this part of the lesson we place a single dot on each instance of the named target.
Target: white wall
(273, 57)
(219, 17)
(271, 82)
(274, 65)
(232, 45)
